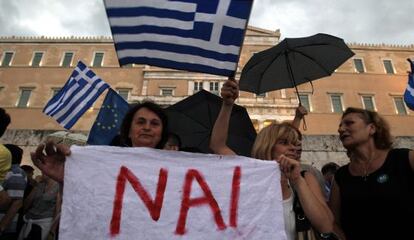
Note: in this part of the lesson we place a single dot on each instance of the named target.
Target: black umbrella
(192, 119)
(292, 62)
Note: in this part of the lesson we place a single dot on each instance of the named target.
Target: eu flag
(409, 92)
(109, 119)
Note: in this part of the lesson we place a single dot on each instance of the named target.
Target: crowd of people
(363, 199)
(28, 207)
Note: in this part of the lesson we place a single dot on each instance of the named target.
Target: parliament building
(33, 69)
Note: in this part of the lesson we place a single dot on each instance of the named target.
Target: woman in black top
(373, 195)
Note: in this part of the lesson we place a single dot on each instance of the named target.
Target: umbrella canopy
(193, 118)
(68, 138)
(292, 62)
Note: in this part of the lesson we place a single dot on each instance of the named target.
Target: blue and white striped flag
(78, 95)
(409, 92)
(195, 35)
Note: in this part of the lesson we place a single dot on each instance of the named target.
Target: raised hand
(299, 115)
(50, 159)
(290, 168)
(301, 112)
(230, 91)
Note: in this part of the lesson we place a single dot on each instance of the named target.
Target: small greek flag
(195, 35)
(409, 92)
(78, 95)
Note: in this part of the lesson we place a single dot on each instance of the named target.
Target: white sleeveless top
(289, 217)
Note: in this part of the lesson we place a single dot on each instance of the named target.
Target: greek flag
(195, 35)
(78, 95)
(409, 92)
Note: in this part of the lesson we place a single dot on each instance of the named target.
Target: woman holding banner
(278, 142)
(144, 125)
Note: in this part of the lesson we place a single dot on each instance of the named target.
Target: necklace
(366, 169)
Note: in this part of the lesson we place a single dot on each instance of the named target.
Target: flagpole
(242, 42)
(112, 35)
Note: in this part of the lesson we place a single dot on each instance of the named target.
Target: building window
(389, 69)
(24, 97)
(368, 103)
(304, 99)
(214, 87)
(37, 59)
(167, 92)
(198, 86)
(7, 58)
(124, 92)
(359, 65)
(98, 59)
(400, 106)
(336, 101)
(67, 59)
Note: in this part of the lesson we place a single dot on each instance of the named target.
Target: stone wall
(317, 149)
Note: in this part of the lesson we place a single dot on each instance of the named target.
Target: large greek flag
(78, 95)
(409, 92)
(195, 35)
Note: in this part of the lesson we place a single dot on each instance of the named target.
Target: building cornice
(254, 36)
(50, 39)
(380, 46)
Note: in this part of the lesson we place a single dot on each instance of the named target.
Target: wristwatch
(328, 236)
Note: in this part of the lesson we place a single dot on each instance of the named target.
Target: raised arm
(229, 93)
(299, 114)
(335, 205)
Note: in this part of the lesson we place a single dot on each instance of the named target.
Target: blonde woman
(278, 142)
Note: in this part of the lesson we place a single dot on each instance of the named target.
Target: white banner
(142, 193)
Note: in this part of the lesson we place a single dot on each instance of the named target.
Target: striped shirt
(15, 184)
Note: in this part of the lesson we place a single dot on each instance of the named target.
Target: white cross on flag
(77, 95)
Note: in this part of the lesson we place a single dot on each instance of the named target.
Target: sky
(356, 21)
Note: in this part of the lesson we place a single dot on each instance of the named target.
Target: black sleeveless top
(381, 205)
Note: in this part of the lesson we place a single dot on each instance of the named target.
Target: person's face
(353, 131)
(282, 146)
(170, 145)
(146, 129)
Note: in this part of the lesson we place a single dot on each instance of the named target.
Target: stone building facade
(32, 69)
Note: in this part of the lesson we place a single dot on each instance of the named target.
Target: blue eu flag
(109, 119)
